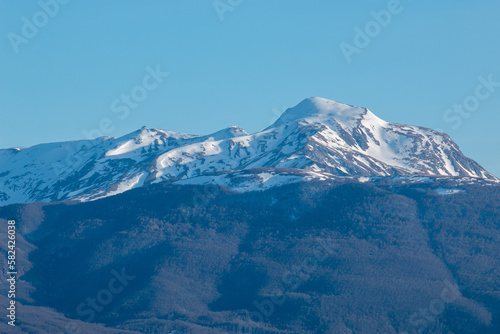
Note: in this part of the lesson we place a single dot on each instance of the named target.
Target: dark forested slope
(302, 258)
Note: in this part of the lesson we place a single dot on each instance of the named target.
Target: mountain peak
(321, 104)
(230, 132)
(318, 109)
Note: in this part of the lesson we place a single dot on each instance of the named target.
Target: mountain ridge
(317, 139)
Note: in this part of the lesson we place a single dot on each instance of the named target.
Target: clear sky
(87, 64)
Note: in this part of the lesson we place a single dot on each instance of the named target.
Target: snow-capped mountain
(317, 139)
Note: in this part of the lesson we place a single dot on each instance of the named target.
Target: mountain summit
(317, 109)
(317, 139)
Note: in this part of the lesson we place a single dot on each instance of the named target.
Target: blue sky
(427, 64)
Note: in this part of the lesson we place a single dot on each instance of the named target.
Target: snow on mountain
(347, 140)
(317, 139)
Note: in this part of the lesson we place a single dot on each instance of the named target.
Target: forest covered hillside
(309, 257)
